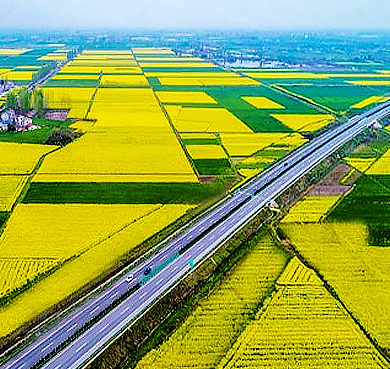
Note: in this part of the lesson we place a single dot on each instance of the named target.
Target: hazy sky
(196, 14)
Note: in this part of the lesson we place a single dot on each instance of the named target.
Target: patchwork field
(207, 334)
(205, 120)
(137, 146)
(75, 99)
(310, 209)
(302, 326)
(20, 159)
(101, 249)
(163, 134)
(357, 271)
(10, 189)
(382, 166)
(187, 97)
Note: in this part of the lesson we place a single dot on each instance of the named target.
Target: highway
(178, 256)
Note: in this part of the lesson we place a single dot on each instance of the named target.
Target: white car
(129, 278)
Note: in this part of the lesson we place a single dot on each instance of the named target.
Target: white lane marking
(58, 366)
(105, 327)
(143, 295)
(159, 282)
(124, 311)
(81, 347)
(115, 294)
(95, 309)
(176, 267)
(71, 328)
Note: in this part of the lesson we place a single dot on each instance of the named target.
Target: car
(147, 270)
(129, 278)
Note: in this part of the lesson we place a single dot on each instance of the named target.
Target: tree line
(23, 100)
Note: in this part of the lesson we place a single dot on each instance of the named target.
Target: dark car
(147, 270)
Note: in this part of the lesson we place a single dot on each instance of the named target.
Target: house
(19, 122)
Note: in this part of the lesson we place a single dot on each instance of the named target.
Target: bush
(61, 137)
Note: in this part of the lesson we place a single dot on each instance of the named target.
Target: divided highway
(117, 307)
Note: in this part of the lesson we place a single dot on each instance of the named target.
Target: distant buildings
(6, 86)
(12, 121)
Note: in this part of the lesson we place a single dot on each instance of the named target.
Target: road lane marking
(95, 309)
(159, 282)
(81, 347)
(143, 295)
(105, 327)
(124, 311)
(58, 366)
(71, 328)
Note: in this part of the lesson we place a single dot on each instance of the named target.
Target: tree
(24, 98)
(61, 137)
(38, 102)
(12, 101)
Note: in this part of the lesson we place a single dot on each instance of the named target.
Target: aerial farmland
(122, 150)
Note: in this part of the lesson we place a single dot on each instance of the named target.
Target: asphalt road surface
(124, 301)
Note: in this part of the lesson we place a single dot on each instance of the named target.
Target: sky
(196, 14)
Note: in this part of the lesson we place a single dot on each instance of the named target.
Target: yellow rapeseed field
(206, 152)
(13, 51)
(102, 156)
(369, 101)
(82, 270)
(358, 272)
(361, 164)
(177, 65)
(185, 97)
(82, 125)
(382, 166)
(123, 80)
(65, 96)
(304, 122)
(370, 83)
(4, 70)
(61, 231)
(248, 144)
(297, 274)
(16, 158)
(215, 74)
(186, 136)
(208, 333)
(75, 99)
(249, 173)
(103, 63)
(18, 76)
(53, 57)
(75, 76)
(101, 69)
(262, 102)
(205, 120)
(303, 326)
(14, 273)
(10, 189)
(310, 209)
(130, 141)
(207, 81)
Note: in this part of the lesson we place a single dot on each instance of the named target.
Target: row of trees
(24, 100)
